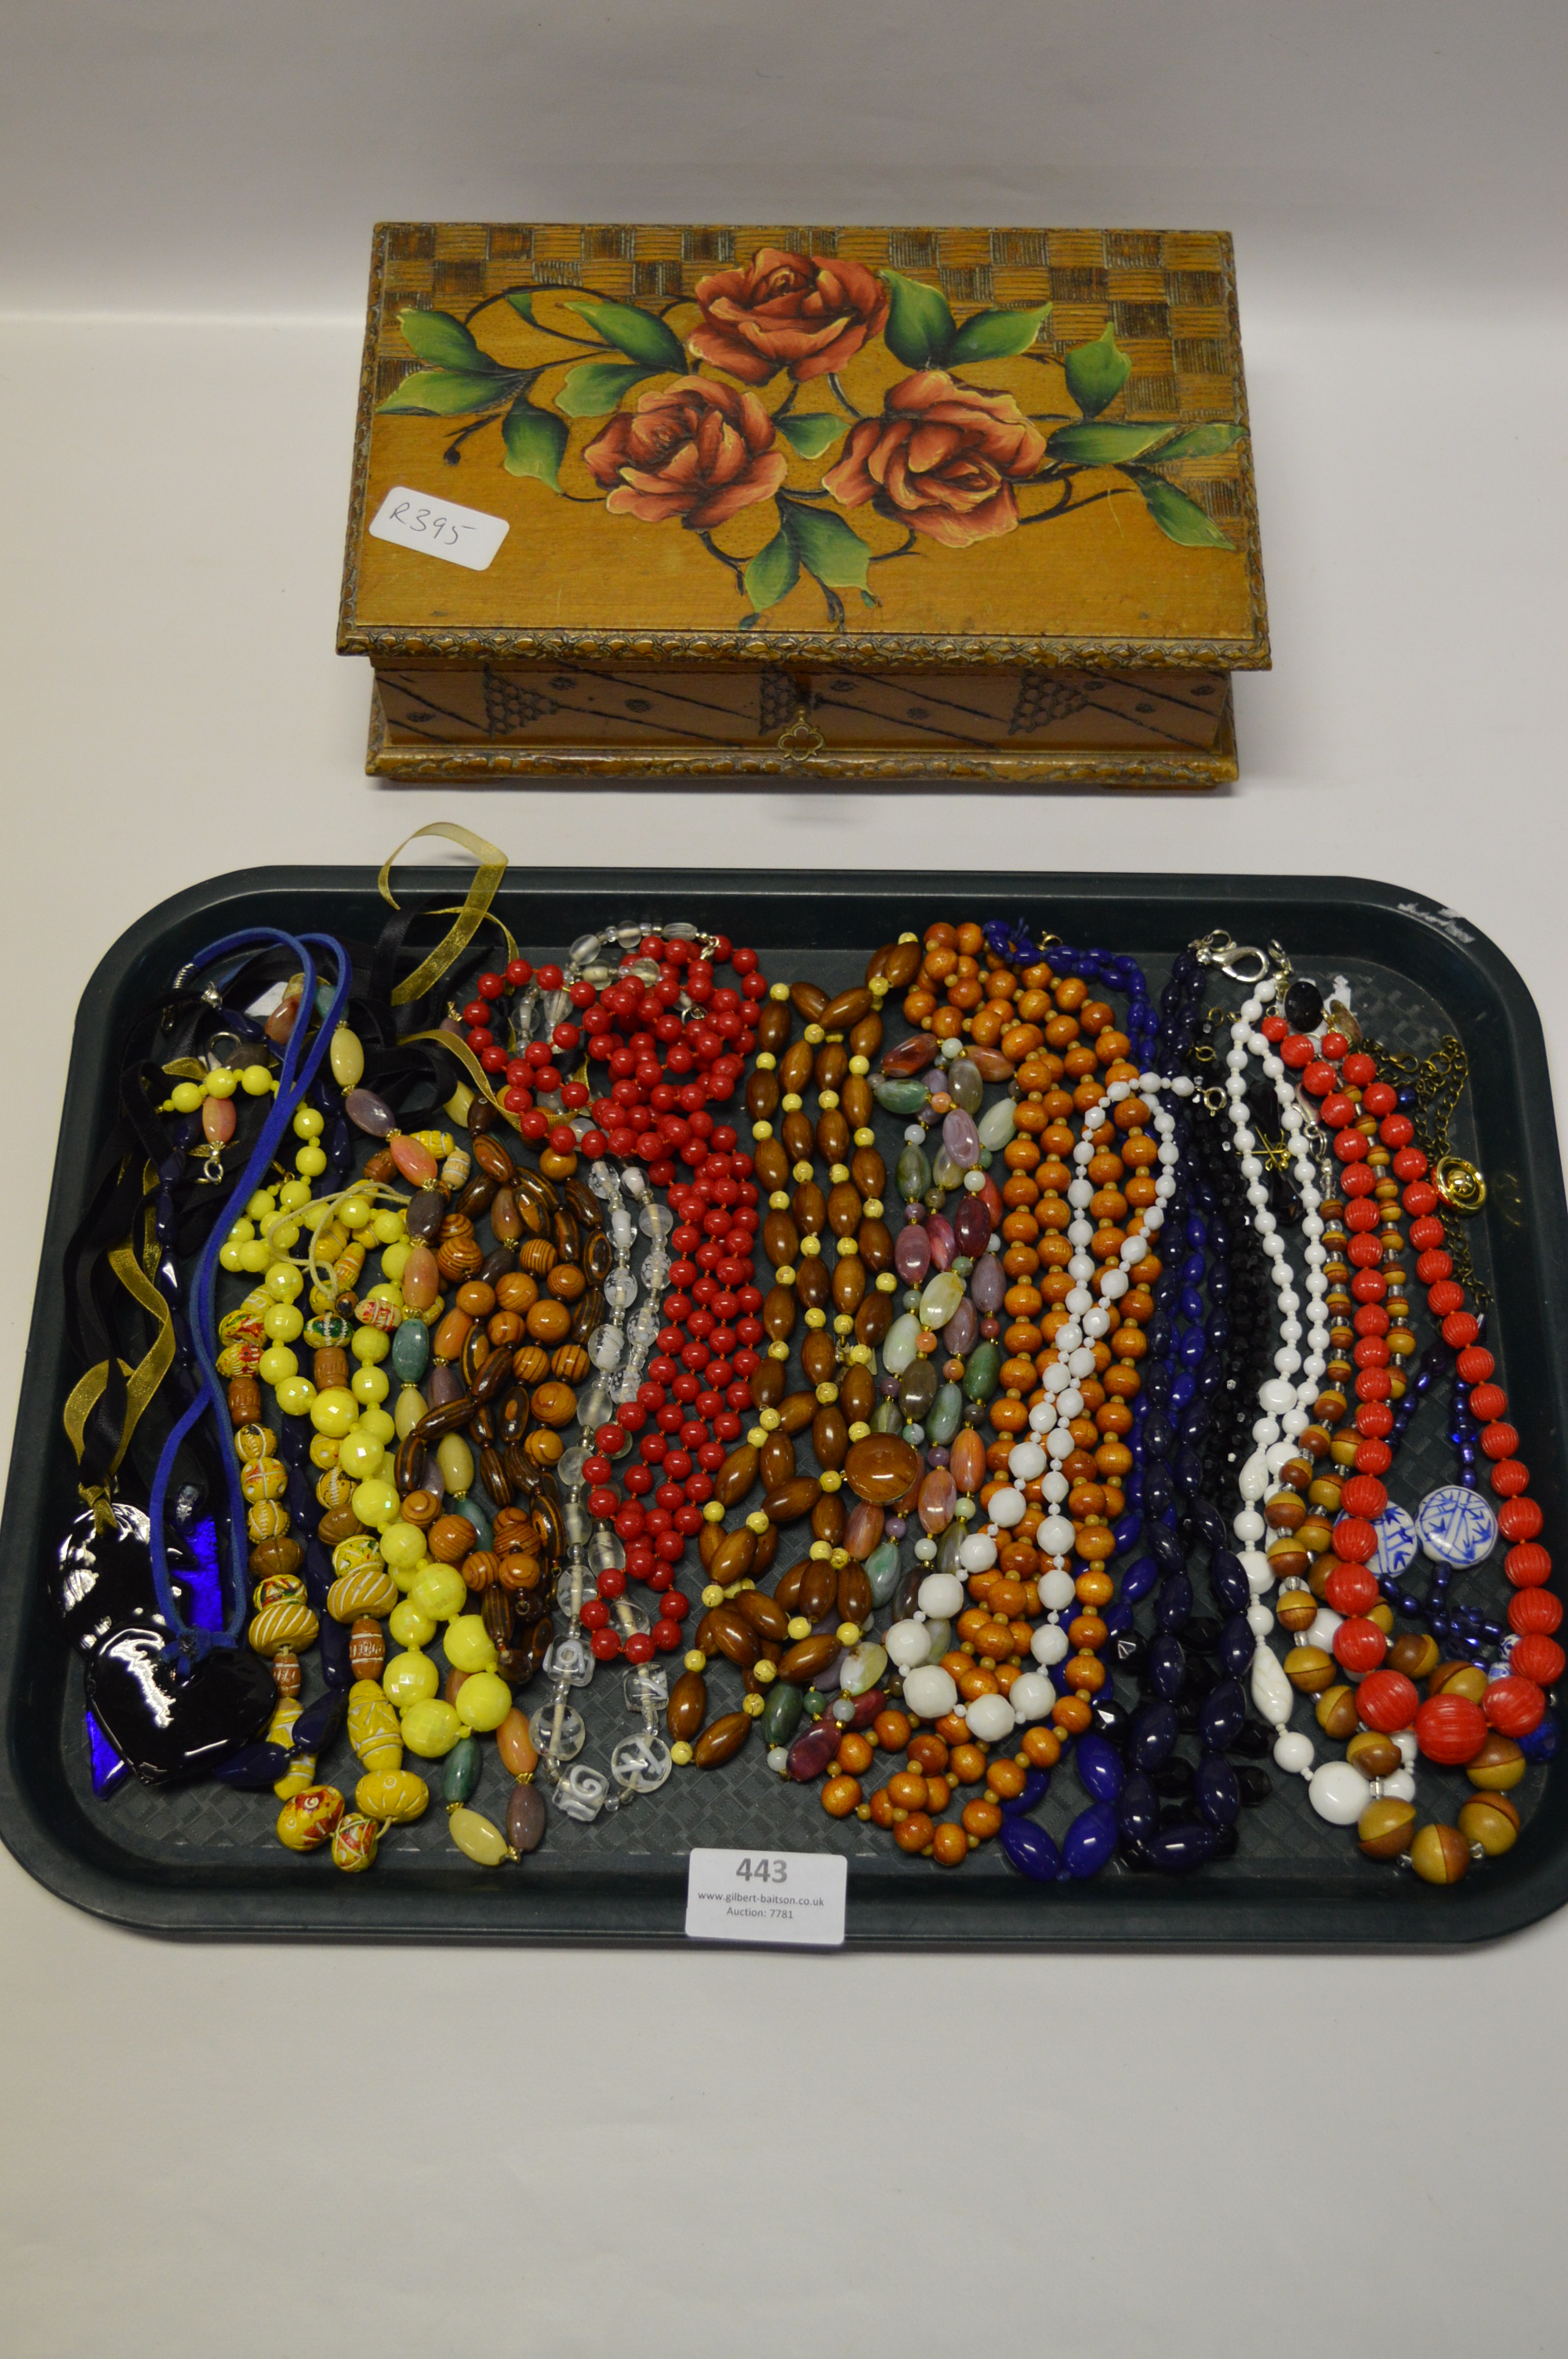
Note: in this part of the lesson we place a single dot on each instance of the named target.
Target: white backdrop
(302, 2152)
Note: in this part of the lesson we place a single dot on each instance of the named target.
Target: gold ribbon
(458, 1049)
(487, 879)
(141, 1382)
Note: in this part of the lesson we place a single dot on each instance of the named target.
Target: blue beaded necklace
(1184, 1343)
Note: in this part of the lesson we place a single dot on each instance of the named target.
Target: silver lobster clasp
(1243, 962)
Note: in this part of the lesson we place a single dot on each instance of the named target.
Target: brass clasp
(1460, 1184)
(800, 741)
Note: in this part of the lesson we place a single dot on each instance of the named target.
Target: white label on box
(767, 1896)
(459, 535)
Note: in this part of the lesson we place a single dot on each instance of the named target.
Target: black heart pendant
(104, 1580)
(172, 1728)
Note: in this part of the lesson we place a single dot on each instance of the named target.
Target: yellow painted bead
(355, 1841)
(367, 1589)
(439, 1591)
(286, 1624)
(468, 1646)
(280, 1727)
(263, 1478)
(409, 1680)
(298, 1776)
(478, 1839)
(351, 1555)
(334, 1411)
(394, 1794)
(374, 1733)
(310, 1818)
(432, 1728)
(408, 1625)
(323, 1447)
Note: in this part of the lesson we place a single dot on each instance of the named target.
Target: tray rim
(228, 1905)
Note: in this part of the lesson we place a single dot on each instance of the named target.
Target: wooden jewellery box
(861, 504)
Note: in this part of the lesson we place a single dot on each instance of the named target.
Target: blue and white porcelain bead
(1455, 1527)
(1397, 1543)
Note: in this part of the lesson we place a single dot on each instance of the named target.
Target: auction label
(767, 1896)
(459, 535)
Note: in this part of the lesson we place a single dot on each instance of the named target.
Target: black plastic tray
(203, 1861)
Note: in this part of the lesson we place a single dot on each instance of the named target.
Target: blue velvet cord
(298, 1068)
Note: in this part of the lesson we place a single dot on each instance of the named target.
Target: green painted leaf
(594, 388)
(920, 329)
(1178, 517)
(522, 300)
(1106, 445)
(996, 335)
(826, 545)
(1097, 372)
(535, 441)
(445, 342)
(641, 335)
(812, 434)
(773, 573)
(1202, 442)
(449, 393)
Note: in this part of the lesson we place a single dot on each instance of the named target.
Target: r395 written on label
(443, 528)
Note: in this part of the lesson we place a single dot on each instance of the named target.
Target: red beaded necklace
(674, 1042)
(1448, 1729)
(674, 1039)
(688, 1415)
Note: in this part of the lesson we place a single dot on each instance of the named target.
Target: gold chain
(1439, 1080)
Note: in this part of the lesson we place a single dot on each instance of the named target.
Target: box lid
(866, 446)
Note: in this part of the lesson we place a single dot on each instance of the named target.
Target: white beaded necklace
(1338, 1789)
(929, 1692)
